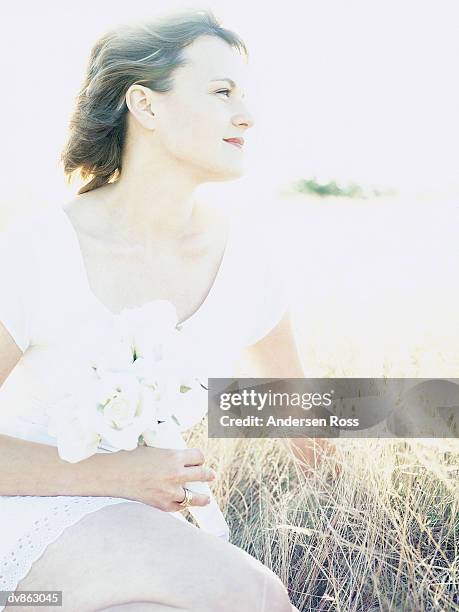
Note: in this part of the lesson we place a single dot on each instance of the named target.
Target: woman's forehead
(210, 58)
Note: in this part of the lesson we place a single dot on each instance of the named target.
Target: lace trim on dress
(65, 511)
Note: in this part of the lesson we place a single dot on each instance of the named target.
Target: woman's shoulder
(85, 213)
(29, 240)
(23, 245)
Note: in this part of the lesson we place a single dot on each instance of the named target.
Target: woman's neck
(147, 217)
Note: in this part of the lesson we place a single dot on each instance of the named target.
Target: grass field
(383, 535)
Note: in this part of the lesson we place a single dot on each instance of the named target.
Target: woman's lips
(238, 142)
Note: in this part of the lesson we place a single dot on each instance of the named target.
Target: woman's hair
(147, 54)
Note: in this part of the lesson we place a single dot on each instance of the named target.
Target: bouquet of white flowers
(140, 389)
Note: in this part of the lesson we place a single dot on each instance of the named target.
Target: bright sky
(363, 90)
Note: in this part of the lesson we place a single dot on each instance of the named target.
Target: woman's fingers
(199, 499)
(195, 473)
(193, 456)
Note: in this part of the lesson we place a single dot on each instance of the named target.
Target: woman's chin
(228, 174)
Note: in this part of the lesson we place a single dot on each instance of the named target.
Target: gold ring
(186, 501)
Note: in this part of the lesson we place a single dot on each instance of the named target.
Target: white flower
(122, 399)
(191, 406)
(127, 415)
(75, 441)
(114, 409)
(122, 439)
(120, 412)
(76, 438)
(147, 371)
(110, 384)
(182, 396)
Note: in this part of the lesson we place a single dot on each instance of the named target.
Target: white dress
(49, 309)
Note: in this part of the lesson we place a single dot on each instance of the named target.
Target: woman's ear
(139, 101)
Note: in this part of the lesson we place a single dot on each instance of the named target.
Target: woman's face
(203, 109)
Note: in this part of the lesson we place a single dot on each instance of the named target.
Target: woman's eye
(225, 91)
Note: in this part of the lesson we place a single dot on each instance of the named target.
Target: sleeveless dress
(51, 312)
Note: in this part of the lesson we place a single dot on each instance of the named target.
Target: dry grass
(383, 535)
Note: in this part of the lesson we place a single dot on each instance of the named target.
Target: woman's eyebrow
(230, 81)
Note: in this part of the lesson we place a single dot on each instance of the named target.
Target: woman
(162, 110)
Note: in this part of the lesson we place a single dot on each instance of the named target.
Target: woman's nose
(244, 120)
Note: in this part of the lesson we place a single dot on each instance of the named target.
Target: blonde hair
(147, 54)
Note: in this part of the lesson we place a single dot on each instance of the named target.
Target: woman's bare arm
(276, 356)
(10, 354)
(154, 476)
(29, 468)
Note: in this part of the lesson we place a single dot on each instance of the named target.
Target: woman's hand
(156, 476)
(311, 452)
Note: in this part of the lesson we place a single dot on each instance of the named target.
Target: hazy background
(354, 90)
(362, 92)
